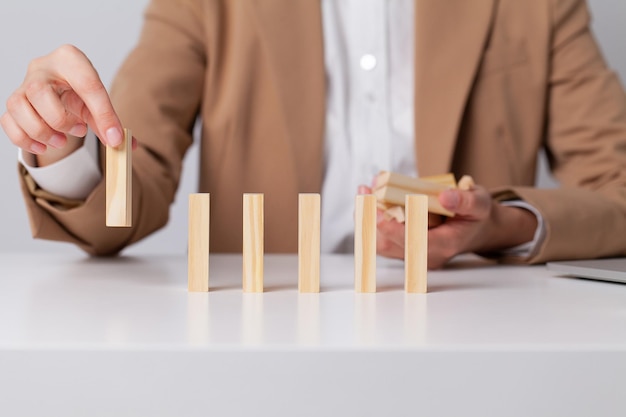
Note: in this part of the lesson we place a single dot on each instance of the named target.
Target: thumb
(473, 203)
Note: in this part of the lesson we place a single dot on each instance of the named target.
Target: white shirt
(369, 62)
(369, 115)
(73, 177)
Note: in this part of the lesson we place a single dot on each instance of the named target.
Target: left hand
(480, 225)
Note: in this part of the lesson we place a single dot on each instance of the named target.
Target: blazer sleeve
(157, 94)
(586, 146)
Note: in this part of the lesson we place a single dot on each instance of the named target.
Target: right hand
(61, 95)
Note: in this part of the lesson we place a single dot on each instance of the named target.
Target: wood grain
(365, 243)
(391, 189)
(416, 244)
(253, 242)
(390, 195)
(432, 183)
(119, 183)
(309, 242)
(198, 244)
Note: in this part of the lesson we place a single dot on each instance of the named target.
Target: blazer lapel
(291, 32)
(450, 38)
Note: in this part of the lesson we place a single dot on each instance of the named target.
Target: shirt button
(368, 62)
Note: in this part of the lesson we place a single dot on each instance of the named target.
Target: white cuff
(529, 248)
(73, 177)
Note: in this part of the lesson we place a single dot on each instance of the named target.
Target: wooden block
(416, 244)
(198, 244)
(391, 196)
(391, 189)
(466, 183)
(253, 242)
(119, 183)
(309, 243)
(443, 179)
(365, 244)
(395, 213)
(419, 185)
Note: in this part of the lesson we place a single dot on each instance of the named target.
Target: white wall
(106, 30)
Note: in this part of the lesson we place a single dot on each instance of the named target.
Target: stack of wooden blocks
(391, 190)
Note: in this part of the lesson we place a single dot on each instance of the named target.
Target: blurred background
(106, 31)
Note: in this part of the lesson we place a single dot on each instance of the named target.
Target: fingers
(19, 137)
(387, 243)
(388, 248)
(49, 107)
(389, 237)
(71, 65)
(434, 220)
(474, 203)
(61, 94)
(30, 123)
(443, 245)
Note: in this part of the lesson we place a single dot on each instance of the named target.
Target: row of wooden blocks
(391, 189)
(416, 238)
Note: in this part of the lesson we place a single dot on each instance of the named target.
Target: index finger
(83, 78)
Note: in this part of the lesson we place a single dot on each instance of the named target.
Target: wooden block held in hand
(309, 243)
(253, 242)
(422, 185)
(416, 244)
(198, 246)
(392, 188)
(466, 183)
(119, 176)
(395, 213)
(365, 244)
(395, 196)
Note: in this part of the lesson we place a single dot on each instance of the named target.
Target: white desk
(96, 337)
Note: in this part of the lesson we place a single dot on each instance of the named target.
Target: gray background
(106, 31)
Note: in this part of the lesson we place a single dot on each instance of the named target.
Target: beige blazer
(495, 82)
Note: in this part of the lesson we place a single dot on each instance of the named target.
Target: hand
(480, 225)
(61, 95)
(392, 244)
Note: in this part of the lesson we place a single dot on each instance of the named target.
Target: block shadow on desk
(150, 271)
